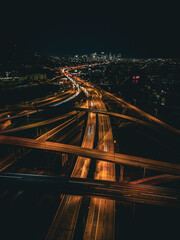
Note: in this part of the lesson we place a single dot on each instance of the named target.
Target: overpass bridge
(132, 119)
(124, 192)
(93, 153)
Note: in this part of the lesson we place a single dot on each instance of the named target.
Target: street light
(134, 101)
(27, 118)
(156, 112)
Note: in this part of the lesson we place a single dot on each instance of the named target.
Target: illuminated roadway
(64, 223)
(85, 187)
(157, 179)
(38, 124)
(144, 114)
(100, 223)
(13, 157)
(97, 154)
(101, 217)
(27, 109)
(131, 119)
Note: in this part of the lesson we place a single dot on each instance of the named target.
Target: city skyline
(135, 30)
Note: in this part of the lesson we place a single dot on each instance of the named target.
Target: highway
(100, 222)
(103, 208)
(157, 179)
(100, 211)
(124, 192)
(143, 114)
(13, 157)
(97, 154)
(38, 124)
(66, 99)
(64, 223)
(136, 120)
(103, 191)
(17, 114)
(27, 108)
(56, 98)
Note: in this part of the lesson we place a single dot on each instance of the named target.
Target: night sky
(132, 28)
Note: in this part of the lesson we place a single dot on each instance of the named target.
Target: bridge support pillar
(144, 172)
(121, 173)
(37, 132)
(133, 210)
(64, 159)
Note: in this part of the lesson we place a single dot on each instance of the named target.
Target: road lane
(157, 179)
(144, 114)
(38, 124)
(100, 222)
(64, 223)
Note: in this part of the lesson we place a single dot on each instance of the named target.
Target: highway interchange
(100, 221)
